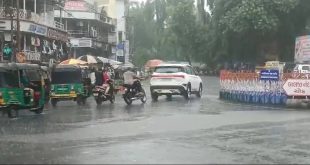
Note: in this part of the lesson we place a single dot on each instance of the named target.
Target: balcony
(86, 34)
(43, 19)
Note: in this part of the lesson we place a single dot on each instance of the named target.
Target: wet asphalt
(205, 130)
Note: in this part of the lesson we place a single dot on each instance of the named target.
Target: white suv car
(175, 79)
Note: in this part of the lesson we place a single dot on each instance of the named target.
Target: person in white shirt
(131, 80)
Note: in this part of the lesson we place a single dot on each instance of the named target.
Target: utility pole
(11, 10)
(18, 28)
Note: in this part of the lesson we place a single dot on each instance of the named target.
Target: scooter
(130, 94)
(99, 92)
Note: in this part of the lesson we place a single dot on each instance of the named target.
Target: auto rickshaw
(70, 82)
(21, 87)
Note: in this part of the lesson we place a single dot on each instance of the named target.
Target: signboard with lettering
(302, 49)
(76, 5)
(269, 75)
(297, 87)
(57, 35)
(33, 56)
(37, 29)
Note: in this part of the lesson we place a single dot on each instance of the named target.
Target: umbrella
(90, 59)
(112, 62)
(73, 62)
(153, 63)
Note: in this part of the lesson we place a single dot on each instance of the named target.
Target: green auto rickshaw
(21, 87)
(70, 82)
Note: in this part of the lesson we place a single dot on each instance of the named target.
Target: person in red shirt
(106, 80)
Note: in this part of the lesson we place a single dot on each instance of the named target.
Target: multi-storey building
(41, 38)
(88, 28)
(118, 9)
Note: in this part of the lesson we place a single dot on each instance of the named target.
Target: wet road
(204, 130)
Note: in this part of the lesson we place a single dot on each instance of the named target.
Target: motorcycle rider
(107, 82)
(131, 80)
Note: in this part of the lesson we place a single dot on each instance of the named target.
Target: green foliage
(234, 30)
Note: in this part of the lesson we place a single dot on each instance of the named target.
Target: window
(169, 69)
(189, 70)
(305, 68)
(120, 36)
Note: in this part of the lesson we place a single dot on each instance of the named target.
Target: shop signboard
(57, 35)
(74, 5)
(33, 56)
(37, 29)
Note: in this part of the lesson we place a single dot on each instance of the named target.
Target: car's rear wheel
(154, 96)
(199, 93)
(188, 92)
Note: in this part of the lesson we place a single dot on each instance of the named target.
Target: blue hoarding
(270, 75)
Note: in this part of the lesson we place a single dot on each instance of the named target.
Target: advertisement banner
(302, 49)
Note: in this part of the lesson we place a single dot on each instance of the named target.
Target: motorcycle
(99, 92)
(130, 94)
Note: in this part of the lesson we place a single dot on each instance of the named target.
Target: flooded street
(205, 130)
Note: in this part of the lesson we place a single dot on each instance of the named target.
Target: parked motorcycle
(130, 94)
(99, 92)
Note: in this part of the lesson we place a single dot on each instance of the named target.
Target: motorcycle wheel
(127, 100)
(98, 101)
(143, 99)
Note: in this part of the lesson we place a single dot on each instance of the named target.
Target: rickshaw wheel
(12, 112)
(80, 100)
(54, 102)
(39, 110)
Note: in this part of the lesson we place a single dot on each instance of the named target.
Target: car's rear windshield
(66, 77)
(169, 69)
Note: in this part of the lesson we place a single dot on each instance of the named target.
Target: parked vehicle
(302, 68)
(175, 79)
(70, 82)
(100, 95)
(21, 87)
(131, 94)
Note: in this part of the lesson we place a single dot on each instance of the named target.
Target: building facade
(41, 38)
(118, 9)
(89, 28)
